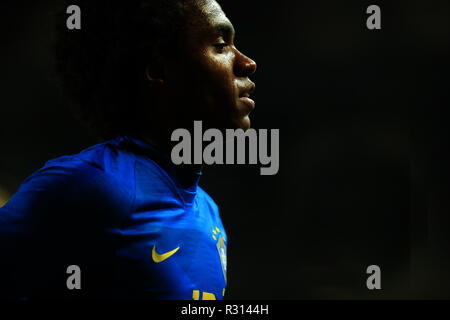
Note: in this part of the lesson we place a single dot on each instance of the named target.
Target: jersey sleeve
(58, 217)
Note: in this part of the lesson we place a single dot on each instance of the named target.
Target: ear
(155, 75)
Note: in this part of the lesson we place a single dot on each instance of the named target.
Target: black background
(364, 172)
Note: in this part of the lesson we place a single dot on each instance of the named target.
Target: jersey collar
(185, 179)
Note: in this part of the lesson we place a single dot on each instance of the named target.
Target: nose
(244, 66)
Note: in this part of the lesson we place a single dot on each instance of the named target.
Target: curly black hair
(102, 65)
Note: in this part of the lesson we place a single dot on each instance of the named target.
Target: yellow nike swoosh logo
(161, 257)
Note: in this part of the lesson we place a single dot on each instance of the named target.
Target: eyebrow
(224, 29)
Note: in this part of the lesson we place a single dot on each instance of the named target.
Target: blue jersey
(134, 224)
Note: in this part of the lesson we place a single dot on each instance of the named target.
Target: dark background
(364, 144)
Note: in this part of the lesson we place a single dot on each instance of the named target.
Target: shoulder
(95, 181)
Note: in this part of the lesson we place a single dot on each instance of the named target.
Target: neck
(185, 172)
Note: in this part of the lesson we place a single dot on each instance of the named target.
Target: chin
(244, 124)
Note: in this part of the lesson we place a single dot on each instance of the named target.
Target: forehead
(212, 10)
(205, 14)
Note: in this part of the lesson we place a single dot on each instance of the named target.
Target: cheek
(220, 81)
(211, 83)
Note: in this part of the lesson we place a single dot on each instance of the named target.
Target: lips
(247, 101)
(245, 96)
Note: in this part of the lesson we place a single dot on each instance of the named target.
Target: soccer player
(119, 219)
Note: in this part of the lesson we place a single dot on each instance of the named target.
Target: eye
(221, 47)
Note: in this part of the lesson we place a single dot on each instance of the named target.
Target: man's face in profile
(210, 78)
